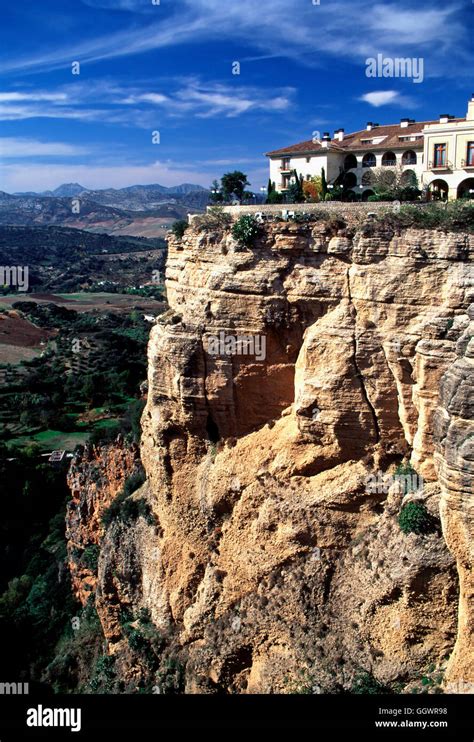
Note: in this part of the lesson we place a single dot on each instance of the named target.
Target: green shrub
(414, 518)
(126, 510)
(179, 228)
(104, 675)
(171, 678)
(456, 216)
(408, 477)
(274, 197)
(245, 230)
(90, 557)
(366, 683)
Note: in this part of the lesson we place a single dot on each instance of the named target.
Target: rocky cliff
(287, 383)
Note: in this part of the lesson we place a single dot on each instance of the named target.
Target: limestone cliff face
(274, 564)
(96, 476)
(454, 435)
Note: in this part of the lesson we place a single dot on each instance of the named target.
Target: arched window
(369, 160)
(350, 162)
(466, 188)
(438, 189)
(409, 158)
(350, 180)
(389, 159)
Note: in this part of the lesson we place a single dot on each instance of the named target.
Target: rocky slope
(273, 562)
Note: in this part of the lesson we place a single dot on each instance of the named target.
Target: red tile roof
(352, 142)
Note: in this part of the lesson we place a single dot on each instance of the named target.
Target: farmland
(71, 369)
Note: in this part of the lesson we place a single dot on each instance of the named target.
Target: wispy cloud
(339, 28)
(14, 97)
(19, 147)
(136, 106)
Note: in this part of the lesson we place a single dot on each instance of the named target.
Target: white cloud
(14, 97)
(135, 106)
(338, 28)
(383, 98)
(19, 147)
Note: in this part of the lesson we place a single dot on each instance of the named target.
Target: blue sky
(168, 67)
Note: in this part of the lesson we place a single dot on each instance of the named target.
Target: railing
(447, 165)
(285, 168)
(409, 161)
(369, 163)
(389, 163)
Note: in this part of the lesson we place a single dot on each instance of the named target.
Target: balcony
(440, 166)
(285, 168)
(409, 161)
(389, 163)
(467, 165)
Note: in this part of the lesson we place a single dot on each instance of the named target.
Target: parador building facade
(440, 153)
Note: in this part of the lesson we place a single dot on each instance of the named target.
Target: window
(368, 160)
(439, 155)
(389, 159)
(308, 159)
(470, 154)
(308, 177)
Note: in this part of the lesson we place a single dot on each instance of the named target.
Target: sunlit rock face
(274, 564)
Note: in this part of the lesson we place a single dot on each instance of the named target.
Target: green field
(48, 440)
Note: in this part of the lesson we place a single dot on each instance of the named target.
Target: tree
(394, 184)
(295, 193)
(216, 196)
(274, 197)
(312, 189)
(233, 185)
(179, 227)
(270, 186)
(324, 184)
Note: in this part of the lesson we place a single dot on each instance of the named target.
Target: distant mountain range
(112, 210)
(68, 190)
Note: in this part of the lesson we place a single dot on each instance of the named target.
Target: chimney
(326, 140)
(369, 125)
(470, 109)
(404, 123)
(444, 118)
(339, 135)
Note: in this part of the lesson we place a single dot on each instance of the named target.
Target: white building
(440, 153)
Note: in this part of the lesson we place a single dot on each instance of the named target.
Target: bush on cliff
(245, 230)
(455, 217)
(366, 683)
(179, 228)
(126, 510)
(214, 218)
(90, 557)
(414, 518)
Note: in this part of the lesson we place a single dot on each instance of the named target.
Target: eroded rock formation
(271, 564)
